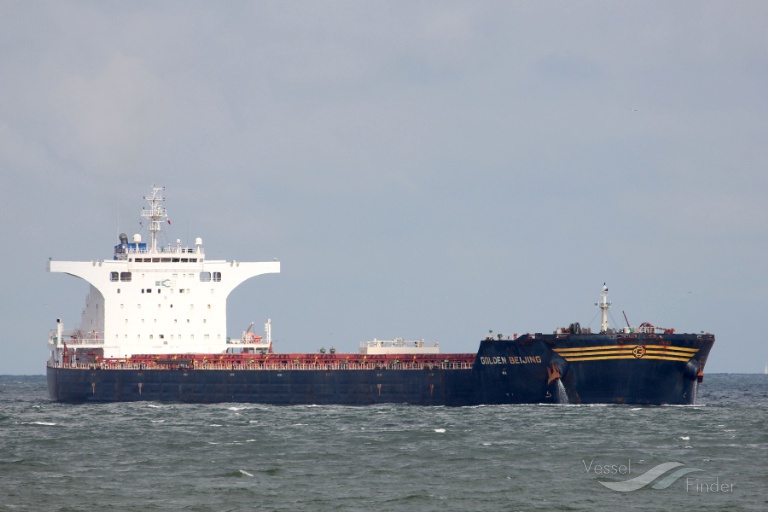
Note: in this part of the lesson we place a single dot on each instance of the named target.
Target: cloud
(502, 154)
(110, 117)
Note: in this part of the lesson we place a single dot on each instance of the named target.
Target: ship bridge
(154, 299)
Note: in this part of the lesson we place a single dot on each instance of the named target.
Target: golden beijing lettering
(511, 360)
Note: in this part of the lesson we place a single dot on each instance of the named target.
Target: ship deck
(248, 361)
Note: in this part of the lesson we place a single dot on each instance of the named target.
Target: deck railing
(76, 337)
(456, 365)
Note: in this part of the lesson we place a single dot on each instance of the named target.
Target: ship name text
(511, 360)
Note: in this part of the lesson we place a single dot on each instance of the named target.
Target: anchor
(553, 373)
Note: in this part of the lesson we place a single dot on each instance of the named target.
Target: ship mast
(604, 305)
(155, 214)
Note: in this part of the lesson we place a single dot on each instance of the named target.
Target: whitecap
(440, 430)
(245, 472)
(685, 438)
(47, 423)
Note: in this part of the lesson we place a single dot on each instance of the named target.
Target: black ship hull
(644, 369)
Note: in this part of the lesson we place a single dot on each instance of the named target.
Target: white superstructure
(156, 300)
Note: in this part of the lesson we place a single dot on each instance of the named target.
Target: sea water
(236, 457)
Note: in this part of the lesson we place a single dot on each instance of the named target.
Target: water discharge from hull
(562, 395)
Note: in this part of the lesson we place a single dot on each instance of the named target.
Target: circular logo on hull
(638, 351)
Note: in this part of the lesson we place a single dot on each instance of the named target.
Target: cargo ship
(154, 328)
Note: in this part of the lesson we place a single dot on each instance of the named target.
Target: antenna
(155, 214)
(604, 305)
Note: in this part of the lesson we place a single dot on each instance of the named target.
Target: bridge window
(205, 276)
(113, 276)
(125, 276)
(217, 277)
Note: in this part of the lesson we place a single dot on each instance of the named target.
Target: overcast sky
(424, 170)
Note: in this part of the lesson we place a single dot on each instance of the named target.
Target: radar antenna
(156, 214)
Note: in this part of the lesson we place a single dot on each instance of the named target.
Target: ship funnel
(123, 238)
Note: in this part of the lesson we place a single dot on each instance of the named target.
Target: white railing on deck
(163, 251)
(74, 337)
(77, 342)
